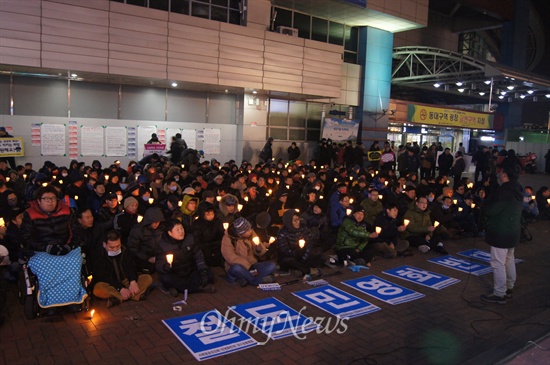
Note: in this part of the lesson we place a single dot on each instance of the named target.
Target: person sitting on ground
(240, 249)
(372, 206)
(542, 196)
(115, 275)
(391, 227)
(338, 211)
(420, 231)
(180, 262)
(144, 239)
(228, 208)
(128, 218)
(530, 207)
(352, 242)
(208, 233)
(293, 253)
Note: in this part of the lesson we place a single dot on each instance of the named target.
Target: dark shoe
(51, 312)
(242, 282)
(493, 299)
(509, 294)
(209, 288)
(356, 262)
(146, 292)
(112, 302)
(440, 250)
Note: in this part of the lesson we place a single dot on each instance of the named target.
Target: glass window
(336, 33)
(350, 57)
(137, 2)
(200, 10)
(278, 133)
(296, 134)
(351, 38)
(313, 135)
(283, 18)
(235, 17)
(302, 23)
(180, 6)
(159, 4)
(278, 113)
(297, 114)
(319, 29)
(219, 14)
(314, 112)
(219, 2)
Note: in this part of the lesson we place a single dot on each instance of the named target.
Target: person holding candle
(542, 196)
(391, 227)
(128, 218)
(291, 256)
(338, 211)
(504, 233)
(227, 208)
(530, 206)
(144, 239)
(208, 232)
(187, 269)
(189, 211)
(353, 241)
(115, 275)
(420, 232)
(372, 206)
(240, 249)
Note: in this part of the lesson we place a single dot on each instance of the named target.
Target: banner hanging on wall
(115, 141)
(12, 147)
(423, 114)
(52, 139)
(340, 129)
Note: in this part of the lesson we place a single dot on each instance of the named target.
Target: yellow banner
(422, 114)
(12, 147)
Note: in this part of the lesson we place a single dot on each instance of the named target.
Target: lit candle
(335, 179)
(470, 185)
(376, 172)
(302, 243)
(460, 209)
(548, 201)
(288, 186)
(380, 197)
(278, 182)
(269, 192)
(348, 211)
(119, 198)
(297, 210)
(455, 201)
(117, 162)
(385, 183)
(533, 197)
(351, 178)
(245, 198)
(8, 179)
(2, 223)
(473, 205)
(25, 176)
(151, 200)
(372, 175)
(86, 175)
(139, 218)
(278, 172)
(180, 204)
(225, 226)
(378, 230)
(44, 184)
(303, 176)
(239, 207)
(436, 223)
(271, 239)
(106, 177)
(218, 198)
(169, 258)
(404, 186)
(256, 240)
(92, 314)
(61, 182)
(448, 182)
(406, 222)
(182, 166)
(351, 200)
(76, 197)
(320, 197)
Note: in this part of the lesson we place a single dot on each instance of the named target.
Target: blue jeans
(237, 271)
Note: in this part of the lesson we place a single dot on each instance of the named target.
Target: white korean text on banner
(115, 141)
(52, 139)
(151, 148)
(209, 334)
(340, 129)
(481, 255)
(274, 318)
(336, 302)
(462, 265)
(91, 141)
(421, 277)
(383, 290)
(12, 147)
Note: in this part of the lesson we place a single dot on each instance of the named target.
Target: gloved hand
(204, 277)
(357, 268)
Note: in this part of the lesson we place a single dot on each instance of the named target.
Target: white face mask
(430, 199)
(114, 253)
(173, 188)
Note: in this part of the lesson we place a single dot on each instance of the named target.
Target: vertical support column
(375, 55)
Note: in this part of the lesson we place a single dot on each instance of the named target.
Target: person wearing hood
(144, 238)
(240, 249)
(316, 221)
(10, 203)
(108, 211)
(78, 188)
(208, 233)
(189, 206)
(254, 203)
(503, 233)
(352, 241)
(228, 208)
(171, 208)
(266, 154)
(390, 228)
(16, 183)
(180, 262)
(171, 187)
(295, 246)
(208, 201)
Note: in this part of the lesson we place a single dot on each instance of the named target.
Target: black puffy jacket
(187, 256)
(47, 232)
(287, 240)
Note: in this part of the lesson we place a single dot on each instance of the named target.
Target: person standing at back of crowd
(266, 154)
(503, 234)
(293, 152)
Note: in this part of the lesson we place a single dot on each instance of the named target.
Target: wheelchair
(48, 282)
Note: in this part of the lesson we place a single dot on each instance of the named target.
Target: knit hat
(189, 191)
(241, 226)
(358, 208)
(128, 201)
(263, 219)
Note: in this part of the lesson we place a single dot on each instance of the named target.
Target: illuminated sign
(422, 114)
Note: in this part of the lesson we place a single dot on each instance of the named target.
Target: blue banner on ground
(274, 318)
(462, 265)
(383, 290)
(481, 255)
(209, 334)
(422, 277)
(336, 302)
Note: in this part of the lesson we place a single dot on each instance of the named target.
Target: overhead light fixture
(437, 84)
(511, 87)
(174, 84)
(481, 93)
(74, 75)
(487, 82)
(530, 92)
(501, 97)
(226, 91)
(460, 90)
(503, 93)
(459, 83)
(547, 96)
(254, 92)
(522, 96)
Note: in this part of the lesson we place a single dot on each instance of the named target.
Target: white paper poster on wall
(52, 139)
(132, 142)
(144, 135)
(212, 141)
(115, 141)
(190, 137)
(91, 141)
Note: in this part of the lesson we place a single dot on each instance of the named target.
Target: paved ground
(448, 326)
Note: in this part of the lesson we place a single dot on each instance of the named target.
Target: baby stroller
(47, 281)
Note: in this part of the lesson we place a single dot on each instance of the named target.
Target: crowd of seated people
(165, 221)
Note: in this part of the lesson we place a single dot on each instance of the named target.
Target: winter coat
(352, 234)
(504, 216)
(208, 234)
(419, 222)
(188, 256)
(42, 231)
(389, 233)
(288, 237)
(143, 240)
(237, 250)
(103, 267)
